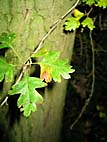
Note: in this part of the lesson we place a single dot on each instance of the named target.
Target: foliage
(6, 70)
(29, 96)
(77, 18)
(51, 68)
(74, 21)
(90, 2)
(89, 23)
(6, 40)
(100, 3)
(72, 24)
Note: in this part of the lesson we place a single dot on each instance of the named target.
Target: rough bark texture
(30, 20)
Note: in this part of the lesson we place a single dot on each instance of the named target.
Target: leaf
(53, 67)
(102, 3)
(9, 76)
(6, 40)
(72, 23)
(78, 14)
(89, 2)
(40, 53)
(102, 115)
(46, 73)
(29, 96)
(6, 70)
(89, 23)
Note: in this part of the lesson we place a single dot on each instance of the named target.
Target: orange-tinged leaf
(45, 73)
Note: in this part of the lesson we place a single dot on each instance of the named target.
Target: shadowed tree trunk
(30, 20)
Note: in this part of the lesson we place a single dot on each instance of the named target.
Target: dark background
(92, 126)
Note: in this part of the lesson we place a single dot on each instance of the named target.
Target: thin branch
(21, 74)
(92, 85)
(53, 27)
(89, 12)
(4, 101)
(39, 46)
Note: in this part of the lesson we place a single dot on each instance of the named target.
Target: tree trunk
(30, 20)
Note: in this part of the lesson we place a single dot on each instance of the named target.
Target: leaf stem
(92, 85)
(52, 28)
(39, 45)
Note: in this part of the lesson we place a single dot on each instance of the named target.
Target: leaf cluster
(51, 68)
(74, 21)
(99, 3)
(55, 67)
(79, 18)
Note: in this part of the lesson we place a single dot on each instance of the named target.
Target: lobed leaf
(6, 71)
(102, 3)
(72, 23)
(53, 67)
(89, 23)
(89, 2)
(28, 95)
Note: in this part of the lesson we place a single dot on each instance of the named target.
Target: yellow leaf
(78, 14)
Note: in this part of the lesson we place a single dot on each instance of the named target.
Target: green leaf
(55, 67)
(6, 70)
(89, 2)
(72, 23)
(102, 3)
(40, 53)
(6, 40)
(102, 115)
(51, 56)
(29, 96)
(9, 76)
(89, 23)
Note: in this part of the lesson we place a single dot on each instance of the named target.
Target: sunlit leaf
(6, 40)
(40, 53)
(10, 73)
(78, 14)
(6, 70)
(45, 73)
(102, 3)
(89, 23)
(53, 67)
(28, 95)
(89, 2)
(72, 23)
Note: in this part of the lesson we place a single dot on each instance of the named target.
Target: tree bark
(30, 20)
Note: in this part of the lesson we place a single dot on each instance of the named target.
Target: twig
(53, 27)
(4, 101)
(92, 85)
(89, 12)
(39, 46)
